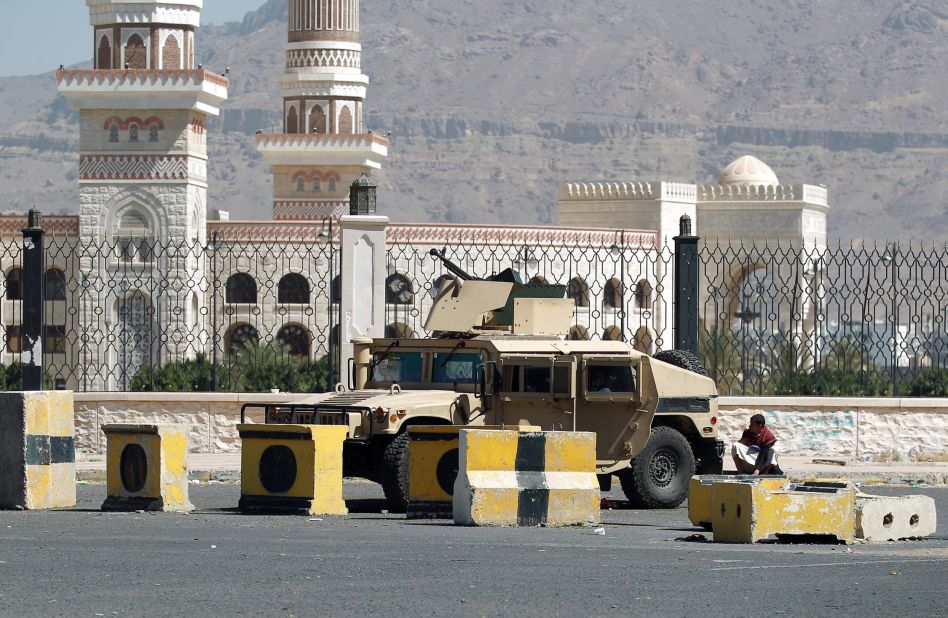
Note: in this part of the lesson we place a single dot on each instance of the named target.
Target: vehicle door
(537, 390)
(609, 404)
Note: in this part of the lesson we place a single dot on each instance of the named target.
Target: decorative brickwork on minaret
(324, 146)
(143, 175)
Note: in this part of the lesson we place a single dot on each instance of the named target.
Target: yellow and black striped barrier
(433, 468)
(37, 450)
(147, 468)
(699, 493)
(292, 469)
(749, 513)
(510, 478)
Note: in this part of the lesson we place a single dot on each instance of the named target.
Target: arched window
(538, 280)
(300, 184)
(105, 54)
(612, 295)
(241, 336)
(317, 185)
(612, 333)
(292, 121)
(317, 120)
(397, 330)
(55, 284)
(643, 294)
(133, 133)
(293, 289)
(296, 339)
(578, 291)
(332, 185)
(398, 290)
(135, 55)
(171, 54)
(14, 281)
(133, 240)
(153, 133)
(643, 341)
(578, 333)
(113, 133)
(345, 121)
(241, 288)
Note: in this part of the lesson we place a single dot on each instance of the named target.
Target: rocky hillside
(491, 103)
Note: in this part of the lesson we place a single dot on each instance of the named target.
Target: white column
(362, 305)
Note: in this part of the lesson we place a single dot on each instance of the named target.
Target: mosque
(149, 272)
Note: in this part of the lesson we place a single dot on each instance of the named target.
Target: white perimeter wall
(859, 429)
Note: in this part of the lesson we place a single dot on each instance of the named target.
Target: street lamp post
(619, 251)
(889, 260)
(325, 240)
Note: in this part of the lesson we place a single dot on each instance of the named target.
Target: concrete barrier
(433, 468)
(510, 478)
(37, 450)
(700, 494)
(749, 513)
(894, 518)
(147, 468)
(292, 469)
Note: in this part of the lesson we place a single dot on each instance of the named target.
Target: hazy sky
(67, 35)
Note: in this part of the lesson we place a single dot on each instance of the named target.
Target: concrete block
(433, 461)
(510, 478)
(147, 468)
(699, 493)
(749, 513)
(37, 450)
(292, 469)
(894, 518)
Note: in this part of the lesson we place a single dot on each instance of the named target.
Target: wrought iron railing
(139, 314)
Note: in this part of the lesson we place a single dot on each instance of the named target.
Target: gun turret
(451, 266)
(472, 304)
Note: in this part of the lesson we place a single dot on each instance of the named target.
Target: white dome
(748, 171)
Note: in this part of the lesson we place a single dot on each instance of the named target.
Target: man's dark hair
(759, 419)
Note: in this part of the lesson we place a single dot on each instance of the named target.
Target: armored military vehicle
(499, 359)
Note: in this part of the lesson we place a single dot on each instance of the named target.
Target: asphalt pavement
(83, 562)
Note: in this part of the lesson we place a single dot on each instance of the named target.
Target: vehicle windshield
(397, 367)
(453, 368)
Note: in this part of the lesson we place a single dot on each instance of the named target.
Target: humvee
(498, 358)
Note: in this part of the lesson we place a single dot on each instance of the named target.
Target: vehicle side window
(561, 380)
(609, 379)
(536, 380)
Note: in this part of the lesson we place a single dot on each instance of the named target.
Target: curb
(902, 479)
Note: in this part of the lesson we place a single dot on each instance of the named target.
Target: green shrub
(928, 383)
(191, 375)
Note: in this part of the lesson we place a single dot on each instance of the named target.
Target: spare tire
(683, 359)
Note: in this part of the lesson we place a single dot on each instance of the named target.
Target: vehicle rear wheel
(683, 359)
(393, 474)
(659, 476)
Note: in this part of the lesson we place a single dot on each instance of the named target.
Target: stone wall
(852, 429)
(867, 429)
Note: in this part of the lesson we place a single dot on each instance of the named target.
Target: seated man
(755, 453)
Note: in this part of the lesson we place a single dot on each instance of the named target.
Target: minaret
(324, 146)
(143, 182)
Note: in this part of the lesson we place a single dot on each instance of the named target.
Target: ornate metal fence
(140, 314)
(845, 320)
(621, 289)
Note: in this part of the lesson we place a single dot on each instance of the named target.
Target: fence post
(362, 270)
(686, 288)
(31, 319)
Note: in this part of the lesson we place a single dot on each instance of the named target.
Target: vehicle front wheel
(659, 476)
(393, 474)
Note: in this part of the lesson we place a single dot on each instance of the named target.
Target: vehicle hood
(406, 400)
